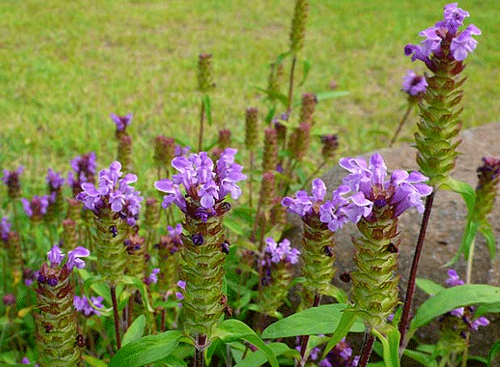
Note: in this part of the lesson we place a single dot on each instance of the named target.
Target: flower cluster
(114, 193)
(5, 226)
(11, 180)
(340, 356)
(37, 207)
(414, 84)
(401, 191)
(444, 37)
(84, 168)
(153, 277)
(83, 305)
(121, 121)
(206, 184)
(50, 274)
(54, 180)
(335, 212)
(280, 252)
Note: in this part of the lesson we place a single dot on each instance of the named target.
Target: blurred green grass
(65, 65)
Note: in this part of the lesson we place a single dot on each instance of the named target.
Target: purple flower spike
(280, 252)
(83, 305)
(10, 176)
(55, 256)
(464, 43)
(37, 207)
(482, 321)
(74, 258)
(153, 277)
(54, 179)
(121, 121)
(5, 226)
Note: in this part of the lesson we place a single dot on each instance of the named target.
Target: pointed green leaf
(330, 94)
(135, 331)
(347, 323)
(305, 71)
(468, 237)
(208, 108)
(323, 319)
(390, 345)
(464, 189)
(141, 287)
(451, 298)
(428, 286)
(146, 350)
(231, 330)
(489, 236)
(494, 351)
(93, 362)
(258, 358)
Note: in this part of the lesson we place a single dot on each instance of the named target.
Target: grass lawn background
(65, 65)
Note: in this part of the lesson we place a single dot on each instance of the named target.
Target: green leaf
(172, 361)
(135, 331)
(258, 358)
(330, 94)
(390, 345)
(306, 67)
(464, 189)
(428, 286)
(270, 115)
(488, 235)
(346, 324)
(231, 330)
(146, 350)
(282, 57)
(323, 319)
(141, 287)
(494, 351)
(94, 362)
(451, 298)
(487, 308)
(467, 241)
(421, 357)
(208, 108)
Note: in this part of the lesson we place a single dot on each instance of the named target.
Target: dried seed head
(274, 81)
(164, 151)
(124, 155)
(486, 190)
(298, 31)
(308, 106)
(280, 132)
(270, 150)
(330, 144)
(267, 190)
(299, 141)
(224, 139)
(251, 128)
(205, 82)
(151, 213)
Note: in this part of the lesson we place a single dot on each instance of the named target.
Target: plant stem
(401, 123)
(304, 339)
(468, 276)
(410, 290)
(202, 120)
(367, 349)
(117, 317)
(199, 347)
(250, 178)
(290, 88)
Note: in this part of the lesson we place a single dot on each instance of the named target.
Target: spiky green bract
(375, 288)
(136, 256)
(108, 238)
(318, 259)
(439, 122)
(298, 30)
(124, 152)
(486, 190)
(168, 256)
(56, 321)
(274, 293)
(202, 270)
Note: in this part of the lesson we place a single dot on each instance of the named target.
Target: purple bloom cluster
(84, 168)
(10, 177)
(121, 121)
(5, 226)
(180, 151)
(280, 252)
(464, 313)
(205, 184)
(54, 180)
(335, 212)
(153, 277)
(55, 256)
(37, 207)
(340, 356)
(83, 305)
(114, 193)
(414, 84)
(460, 43)
(401, 191)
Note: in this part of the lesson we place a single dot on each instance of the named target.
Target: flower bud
(298, 31)
(205, 82)
(270, 151)
(251, 128)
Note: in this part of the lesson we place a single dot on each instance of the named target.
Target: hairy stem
(367, 350)
(304, 339)
(410, 290)
(290, 88)
(202, 120)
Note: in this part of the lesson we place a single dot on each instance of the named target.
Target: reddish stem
(367, 350)
(117, 317)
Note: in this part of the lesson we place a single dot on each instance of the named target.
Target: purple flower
(10, 176)
(464, 43)
(180, 151)
(84, 168)
(153, 277)
(281, 252)
(55, 256)
(461, 42)
(114, 193)
(5, 226)
(37, 207)
(121, 121)
(414, 84)
(54, 179)
(402, 191)
(482, 321)
(339, 210)
(205, 184)
(453, 278)
(175, 234)
(303, 202)
(74, 258)
(83, 305)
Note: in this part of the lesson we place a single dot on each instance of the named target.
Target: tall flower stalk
(443, 52)
(57, 321)
(375, 287)
(205, 186)
(115, 205)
